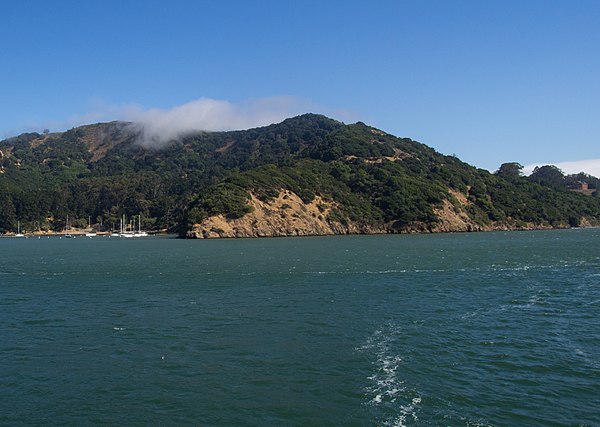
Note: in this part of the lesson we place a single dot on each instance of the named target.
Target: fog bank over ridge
(160, 125)
(205, 114)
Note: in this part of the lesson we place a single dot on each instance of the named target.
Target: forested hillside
(357, 175)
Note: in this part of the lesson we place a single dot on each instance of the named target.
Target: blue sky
(489, 81)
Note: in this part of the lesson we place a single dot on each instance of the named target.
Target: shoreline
(191, 236)
(75, 233)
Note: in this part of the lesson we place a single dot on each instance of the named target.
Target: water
(480, 329)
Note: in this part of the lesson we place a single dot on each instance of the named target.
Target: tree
(510, 170)
(7, 213)
(548, 175)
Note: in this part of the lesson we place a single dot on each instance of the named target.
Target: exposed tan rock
(39, 141)
(451, 218)
(225, 147)
(460, 197)
(285, 215)
(288, 215)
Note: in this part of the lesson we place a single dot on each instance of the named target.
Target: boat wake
(396, 403)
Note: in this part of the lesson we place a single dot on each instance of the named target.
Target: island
(308, 175)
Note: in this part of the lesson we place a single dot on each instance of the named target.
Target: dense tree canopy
(101, 171)
(510, 171)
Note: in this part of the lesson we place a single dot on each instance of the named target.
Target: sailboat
(140, 233)
(124, 232)
(91, 233)
(67, 235)
(114, 232)
(19, 234)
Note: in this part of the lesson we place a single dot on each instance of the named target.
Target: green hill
(306, 175)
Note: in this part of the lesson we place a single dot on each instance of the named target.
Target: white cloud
(591, 167)
(204, 114)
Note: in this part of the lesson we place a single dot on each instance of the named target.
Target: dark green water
(481, 329)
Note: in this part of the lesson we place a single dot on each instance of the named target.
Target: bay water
(474, 329)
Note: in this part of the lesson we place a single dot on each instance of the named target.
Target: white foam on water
(386, 387)
(385, 382)
(393, 271)
(407, 412)
(476, 423)
(385, 272)
(117, 328)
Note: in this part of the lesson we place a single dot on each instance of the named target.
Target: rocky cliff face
(287, 215)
